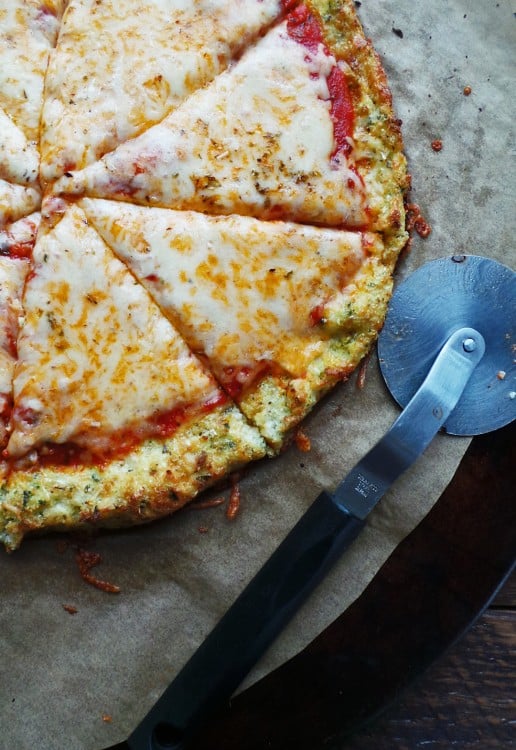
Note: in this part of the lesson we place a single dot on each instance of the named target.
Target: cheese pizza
(278, 135)
(221, 189)
(94, 100)
(280, 311)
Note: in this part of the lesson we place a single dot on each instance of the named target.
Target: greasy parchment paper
(62, 675)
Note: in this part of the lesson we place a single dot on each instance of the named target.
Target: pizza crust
(378, 141)
(153, 480)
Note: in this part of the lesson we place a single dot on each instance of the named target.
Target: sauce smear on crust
(162, 425)
(304, 27)
(238, 379)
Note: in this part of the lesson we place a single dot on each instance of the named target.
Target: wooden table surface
(466, 700)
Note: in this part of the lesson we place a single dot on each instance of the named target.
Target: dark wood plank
(506, 598)
(466, 700)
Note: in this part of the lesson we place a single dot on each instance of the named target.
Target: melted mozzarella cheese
(241, 291)
(259, 140)
(96, 356)
(21, 232)
(19, 159)
(120, 67)
(17, 201)
(12, 277)
(28, 31)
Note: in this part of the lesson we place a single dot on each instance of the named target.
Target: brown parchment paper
(63, 675)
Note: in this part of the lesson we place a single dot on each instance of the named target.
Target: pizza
(201, 209)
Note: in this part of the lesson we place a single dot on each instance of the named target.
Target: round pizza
(201, 208)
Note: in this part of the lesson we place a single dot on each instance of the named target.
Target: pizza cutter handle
(270, 600)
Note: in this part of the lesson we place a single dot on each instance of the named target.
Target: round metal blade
(436, 300)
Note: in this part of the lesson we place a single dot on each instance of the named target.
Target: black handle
(247, 629)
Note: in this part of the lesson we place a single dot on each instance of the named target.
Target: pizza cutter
(447, 353)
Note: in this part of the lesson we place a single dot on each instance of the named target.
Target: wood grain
(506, 598)
(465, 701)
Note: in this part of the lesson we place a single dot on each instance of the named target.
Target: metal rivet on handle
(469, 345)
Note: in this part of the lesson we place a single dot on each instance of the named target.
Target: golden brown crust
(378, 136)
(277, 404)
(152, 481)
(345, 36)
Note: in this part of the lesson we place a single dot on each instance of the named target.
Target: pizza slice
(280, 311)
(300, 128)
(16, 243)
(114, 420)
(120, 67)
(28, 31)
(17, 201)
(19, 158)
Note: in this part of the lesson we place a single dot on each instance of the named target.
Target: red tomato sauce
(306, 29)
(10, 248)
(161, 426)
(288, 5)
(317, 313)
(6, 406)
(18, 250)
(236, 380)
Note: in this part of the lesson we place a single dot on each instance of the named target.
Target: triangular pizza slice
(114, 419)
(28, 31)
(119, 68)
(19, 158)
(17, 201)
(16, 243)
(296, 129)
(280, 311)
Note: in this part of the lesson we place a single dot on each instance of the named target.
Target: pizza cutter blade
(448, 354)
(441, 296)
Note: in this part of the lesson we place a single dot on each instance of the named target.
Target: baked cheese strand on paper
(120, 67)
